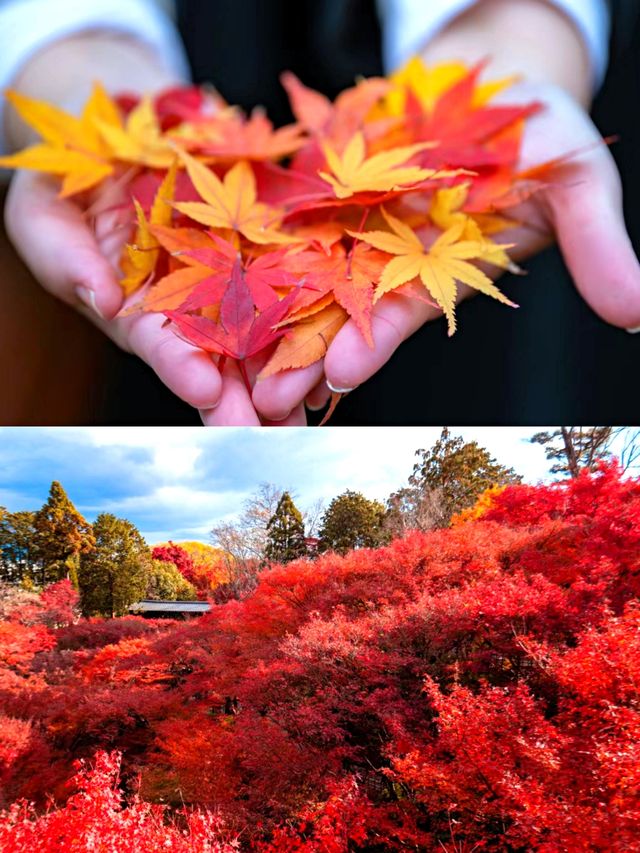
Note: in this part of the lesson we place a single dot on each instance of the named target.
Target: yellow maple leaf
(79, 171)
(71, 146)
(354, 172)
(439, 267)
(446, 211)
(231, 203)
(140, 257)
(140, 139)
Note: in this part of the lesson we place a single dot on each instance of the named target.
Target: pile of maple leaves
(260, 243)
(470, 688)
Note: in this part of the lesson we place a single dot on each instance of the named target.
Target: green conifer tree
(62, 536)
(19, 558)
(352, 521)
(457, 471)
(285, 533)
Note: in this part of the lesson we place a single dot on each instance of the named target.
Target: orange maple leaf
(349, 275)
(307, 341)
(232, 136)
(335, 122)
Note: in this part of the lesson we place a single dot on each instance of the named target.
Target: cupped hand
(581, 208)
(76, 259)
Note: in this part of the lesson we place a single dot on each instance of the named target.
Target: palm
(73, 252)
(581, 209)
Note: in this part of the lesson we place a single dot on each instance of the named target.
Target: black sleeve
(625, 18)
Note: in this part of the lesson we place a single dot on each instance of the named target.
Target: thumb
(58, 246)
(589, 224)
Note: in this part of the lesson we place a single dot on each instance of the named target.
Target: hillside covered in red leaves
(474, 688)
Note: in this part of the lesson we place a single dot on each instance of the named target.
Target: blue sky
(176, 483)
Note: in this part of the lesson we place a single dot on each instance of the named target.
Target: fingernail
(634, 331)
(278, 420)
(316, 408)
(88, 298)
(209, 407)
(339, 390)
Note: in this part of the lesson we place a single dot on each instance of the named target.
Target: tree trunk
(570, 453)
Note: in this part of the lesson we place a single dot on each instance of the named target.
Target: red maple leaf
(241, 332)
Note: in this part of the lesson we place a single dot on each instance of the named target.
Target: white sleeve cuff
(409, 24)
(26, 26)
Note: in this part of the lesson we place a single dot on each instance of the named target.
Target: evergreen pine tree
(18, 547)
(62, 536)
(285, 533)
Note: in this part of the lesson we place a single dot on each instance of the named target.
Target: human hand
(581, 209)
(75, 255)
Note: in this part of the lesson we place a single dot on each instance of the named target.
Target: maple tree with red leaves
(258, 244)
(475, 686)
(171, 553)
(203, 566)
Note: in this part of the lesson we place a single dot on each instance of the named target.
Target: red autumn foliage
(56, 606)
(60, 603)
(204, 566)
(95, 818)
(471, 688)
(178, 556)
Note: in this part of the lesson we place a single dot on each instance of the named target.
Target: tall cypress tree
(62, 536)
(115, 573)
(285, 533)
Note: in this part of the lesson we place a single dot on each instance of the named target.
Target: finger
(234, 407)
(318, 397)
(187, 371)
(350, 361)
(276, 396)
(57, 245)
(296, 418)
(584, 207)
(588, 219)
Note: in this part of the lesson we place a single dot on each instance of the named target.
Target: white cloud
(182, 500)
(175, 451)
(185, 480)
